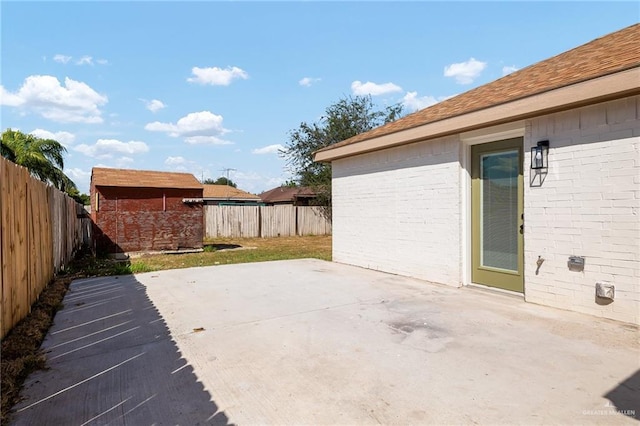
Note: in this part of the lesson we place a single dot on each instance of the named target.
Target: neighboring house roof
(143, 179)
(283, 194)
(226, 192)
(605, 56)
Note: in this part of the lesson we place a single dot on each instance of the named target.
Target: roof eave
(613, 86)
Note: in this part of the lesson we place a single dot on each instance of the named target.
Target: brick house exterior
(139, 210)
(583, 206)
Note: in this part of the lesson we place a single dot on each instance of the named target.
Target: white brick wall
(588, 205)
(401, 210)
(398, 211)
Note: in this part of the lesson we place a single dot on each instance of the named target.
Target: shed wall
(146, 219)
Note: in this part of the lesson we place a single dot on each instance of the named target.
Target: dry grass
(21, 354)
(222, 251)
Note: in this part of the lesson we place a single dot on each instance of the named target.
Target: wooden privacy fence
(41, 229)
(264, 221)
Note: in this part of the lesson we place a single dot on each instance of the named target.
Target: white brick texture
(588, 205)
(401, 210)
(398, 211)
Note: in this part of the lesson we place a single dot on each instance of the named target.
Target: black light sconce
(540, 155)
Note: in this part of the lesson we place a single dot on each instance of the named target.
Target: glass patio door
(497, 214)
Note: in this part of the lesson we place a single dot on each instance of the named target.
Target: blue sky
(207, 86)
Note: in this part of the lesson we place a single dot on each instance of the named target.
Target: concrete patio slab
(314, 342)
(111, 360)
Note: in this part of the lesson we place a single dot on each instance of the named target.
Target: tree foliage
(344, 119)
(220, 181)
(81, 198)
(44, 158)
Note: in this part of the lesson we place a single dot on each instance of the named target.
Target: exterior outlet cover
(576, 263)
(605, 290)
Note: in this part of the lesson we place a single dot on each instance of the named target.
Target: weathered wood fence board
(264, 221)
(232, 221)
(40, 238)
(41, 229)
(277, 221)
(311, 221)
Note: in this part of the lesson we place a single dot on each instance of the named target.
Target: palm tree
(44, 158)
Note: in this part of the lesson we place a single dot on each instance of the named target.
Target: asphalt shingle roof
(284, 194)
(226, 191)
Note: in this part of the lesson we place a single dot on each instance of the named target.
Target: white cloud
(202, 127)
(412, 102)
(10, 99)
(85, 60)
(181, 164)
(308, 81)
(508, 70)
(77, 173)
(174, 161)
(106, 148)
(75, 102)
(465, 72)
(206, 140)
(269, 149)
(195, 124)
(65, 138)
(62, 59)
(153, 105)
(255, 183)
(373, 89)
(217, 76)
(80, 177)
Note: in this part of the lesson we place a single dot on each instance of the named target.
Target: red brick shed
(140, 210)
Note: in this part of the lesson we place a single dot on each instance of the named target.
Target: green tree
(44, 158)
(81, 198)
(346, 118)
(220, 181)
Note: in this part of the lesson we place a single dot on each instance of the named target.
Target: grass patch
(225, 251)
(21, 354)
(139, 267)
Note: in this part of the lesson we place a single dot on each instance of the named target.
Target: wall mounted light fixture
(540, 155)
